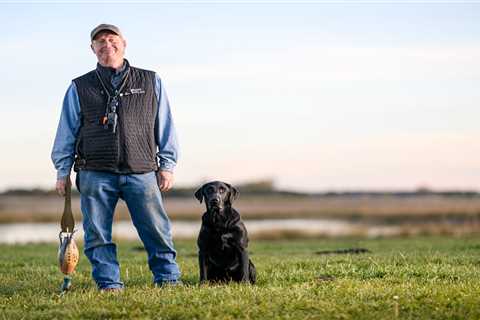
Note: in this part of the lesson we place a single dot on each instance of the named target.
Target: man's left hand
(164, 180)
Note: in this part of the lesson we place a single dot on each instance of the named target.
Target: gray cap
(103, 27)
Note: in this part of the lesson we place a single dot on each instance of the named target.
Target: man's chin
(109, 59)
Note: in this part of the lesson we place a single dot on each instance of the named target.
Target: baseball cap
(103, 27)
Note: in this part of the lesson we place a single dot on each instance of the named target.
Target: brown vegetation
(372, 209)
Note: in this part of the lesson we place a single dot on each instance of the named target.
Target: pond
(48, 232)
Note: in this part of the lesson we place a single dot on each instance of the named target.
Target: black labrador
(223, 238)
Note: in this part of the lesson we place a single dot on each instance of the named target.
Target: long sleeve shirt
(63, 151)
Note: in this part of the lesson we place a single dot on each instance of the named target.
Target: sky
(317, 96)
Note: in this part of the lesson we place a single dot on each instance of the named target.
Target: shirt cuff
(167, 166)
(62, 174)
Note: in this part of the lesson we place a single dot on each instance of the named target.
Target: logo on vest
(137, 91)
(132, 91)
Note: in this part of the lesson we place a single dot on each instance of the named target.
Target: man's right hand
(61, 186)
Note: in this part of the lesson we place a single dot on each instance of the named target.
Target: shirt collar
(108, 73)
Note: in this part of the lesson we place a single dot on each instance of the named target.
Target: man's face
(109, 48)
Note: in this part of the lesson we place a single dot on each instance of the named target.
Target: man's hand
(61, 186)
(164, 180)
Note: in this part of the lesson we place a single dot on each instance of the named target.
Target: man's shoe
(111, 290)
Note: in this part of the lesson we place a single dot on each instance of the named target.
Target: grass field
(414, 278)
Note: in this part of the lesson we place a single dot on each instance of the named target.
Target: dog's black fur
(223, 238)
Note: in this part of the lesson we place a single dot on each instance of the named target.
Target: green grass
(433, 277)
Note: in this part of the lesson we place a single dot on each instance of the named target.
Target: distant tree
(423, 189)
(260, 186)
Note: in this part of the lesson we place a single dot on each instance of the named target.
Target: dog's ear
(199, 194)
(233, 193)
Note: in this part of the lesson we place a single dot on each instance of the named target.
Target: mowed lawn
(414, 278)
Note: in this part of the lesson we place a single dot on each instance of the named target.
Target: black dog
(223, 238)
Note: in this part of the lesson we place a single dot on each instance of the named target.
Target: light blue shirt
(63, 151)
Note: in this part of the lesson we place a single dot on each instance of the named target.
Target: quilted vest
(132, 147)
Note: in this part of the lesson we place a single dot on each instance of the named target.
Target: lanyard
(110, 118)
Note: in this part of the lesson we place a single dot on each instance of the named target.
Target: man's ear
(91, 47)
(233, 193)
(199, 194)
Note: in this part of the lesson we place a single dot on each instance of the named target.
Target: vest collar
(112, 77)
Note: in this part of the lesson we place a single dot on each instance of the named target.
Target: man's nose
(107, 44)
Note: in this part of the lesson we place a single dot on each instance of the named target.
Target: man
(113, 120)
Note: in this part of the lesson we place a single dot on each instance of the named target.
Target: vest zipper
(117, 96)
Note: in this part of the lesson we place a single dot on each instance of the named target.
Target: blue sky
(316, 96)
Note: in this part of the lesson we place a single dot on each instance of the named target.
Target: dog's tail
(252, 272)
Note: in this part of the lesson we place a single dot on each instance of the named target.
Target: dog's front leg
(202, 260)
(244, 265)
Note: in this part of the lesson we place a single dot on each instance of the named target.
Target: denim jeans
(99, 194)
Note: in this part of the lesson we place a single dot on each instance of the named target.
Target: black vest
(132, 148)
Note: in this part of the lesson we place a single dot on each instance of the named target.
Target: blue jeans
(100, 192)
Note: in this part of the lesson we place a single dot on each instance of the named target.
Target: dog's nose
(214, 201)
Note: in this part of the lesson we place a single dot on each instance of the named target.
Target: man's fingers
(60, 186)
(166, 180)
(165, 185)
(61, 191)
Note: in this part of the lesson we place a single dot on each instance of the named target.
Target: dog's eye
(222, 190)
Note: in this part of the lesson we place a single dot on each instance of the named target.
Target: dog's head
(217, 195)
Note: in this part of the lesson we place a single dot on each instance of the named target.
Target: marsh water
(18, 233)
